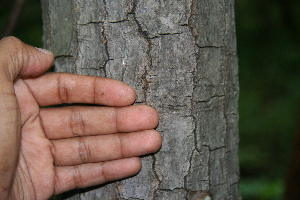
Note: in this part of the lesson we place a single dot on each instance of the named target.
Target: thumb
(20, 59)
(16, 60)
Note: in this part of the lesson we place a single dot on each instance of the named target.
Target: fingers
(93, 149)
(58, 88)
(72, 121)
(71, 177)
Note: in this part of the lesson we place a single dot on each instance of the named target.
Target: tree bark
(180, 56)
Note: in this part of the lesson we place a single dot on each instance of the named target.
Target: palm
(35, 166)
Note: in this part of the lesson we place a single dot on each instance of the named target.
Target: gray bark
(180, 56)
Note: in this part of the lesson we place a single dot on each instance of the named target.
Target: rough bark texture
(180, 56)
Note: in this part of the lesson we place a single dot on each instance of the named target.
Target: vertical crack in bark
(144, 34)
(76, 14)
(186, 176)
(75, 69)
(155, 174)
(117, 191)
(193, 10)
(196, 35)
(105, 42)
(190, 25)
(140, 28)
(145, 81)
(105, 8)
(190, 22)
(193, 115)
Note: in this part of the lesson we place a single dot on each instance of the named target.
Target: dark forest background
(268, 36)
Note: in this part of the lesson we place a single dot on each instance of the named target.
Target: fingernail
(44, 51)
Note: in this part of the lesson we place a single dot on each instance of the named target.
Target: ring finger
(92, 149)
(72, 121)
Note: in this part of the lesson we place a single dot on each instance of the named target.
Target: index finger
(59, 88)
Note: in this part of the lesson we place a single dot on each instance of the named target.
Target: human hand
(47, 151)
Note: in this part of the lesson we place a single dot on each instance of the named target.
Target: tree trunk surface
(180, 56)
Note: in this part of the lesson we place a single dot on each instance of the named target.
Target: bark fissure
(211, 99)
(105, 9)
(190, 22)
(140, 29)
(144, 34)
(155, 174)
(64, 56)
(104, 22)
(165, 34)
(105, 42)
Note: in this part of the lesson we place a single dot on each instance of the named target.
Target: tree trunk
(180, 56)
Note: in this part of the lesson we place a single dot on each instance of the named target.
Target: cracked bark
(180, 56)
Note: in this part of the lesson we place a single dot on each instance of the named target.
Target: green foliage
(269, 55)
(261, 189)
(29, 26)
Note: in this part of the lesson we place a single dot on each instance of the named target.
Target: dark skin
(47, 151)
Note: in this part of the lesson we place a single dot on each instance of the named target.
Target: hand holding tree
(46, 151)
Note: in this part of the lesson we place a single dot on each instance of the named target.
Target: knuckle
(56, 183)
(103, 172)
(15, 55)
(84, 150)
(77, 177)
(77, 124)
(62, 90)
(12, 41)
(121, 146)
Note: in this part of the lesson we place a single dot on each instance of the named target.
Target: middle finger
(72, 121)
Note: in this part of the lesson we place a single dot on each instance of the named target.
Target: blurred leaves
(261, 189)
(29, 26)
(269, 55)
